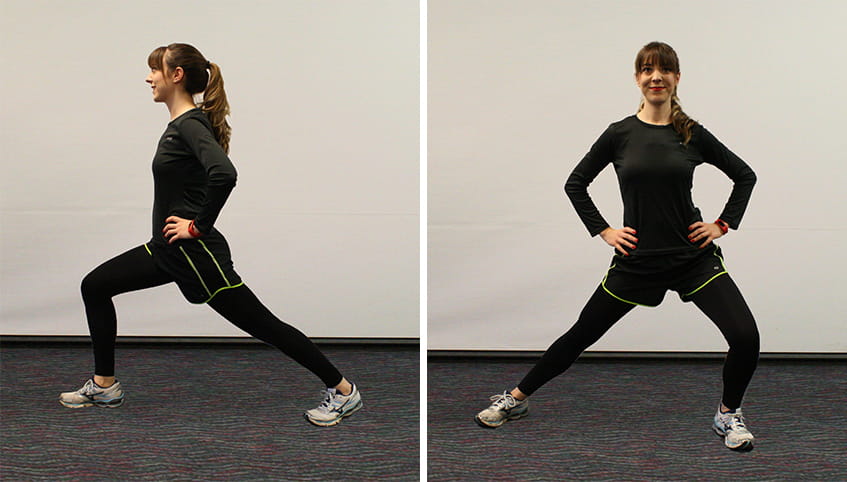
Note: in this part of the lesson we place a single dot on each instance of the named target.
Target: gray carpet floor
(201, 413)
(607, 420)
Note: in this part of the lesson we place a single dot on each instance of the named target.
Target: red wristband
(723, 225)
(193, 231)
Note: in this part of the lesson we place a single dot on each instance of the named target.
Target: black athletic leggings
(135, 270)
(720, 300)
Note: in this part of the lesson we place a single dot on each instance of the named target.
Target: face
(657, 84)
(164, 83)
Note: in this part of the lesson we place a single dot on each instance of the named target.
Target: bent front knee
(94, 287)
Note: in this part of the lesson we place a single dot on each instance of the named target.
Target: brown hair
(662, 55)
(200, 76)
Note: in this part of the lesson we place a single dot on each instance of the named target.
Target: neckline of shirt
(660, 126)
(184, 114)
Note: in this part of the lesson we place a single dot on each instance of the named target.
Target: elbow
(574, 186)
(227, 177)
(223, 180)
(748, 179)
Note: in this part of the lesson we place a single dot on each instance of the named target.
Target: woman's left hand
(177, 228)
(705, 232)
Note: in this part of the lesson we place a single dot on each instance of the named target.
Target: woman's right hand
(620, 238)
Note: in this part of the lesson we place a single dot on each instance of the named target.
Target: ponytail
(682, 124)
(216, 106)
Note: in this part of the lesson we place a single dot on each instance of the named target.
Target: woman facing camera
(664, 244)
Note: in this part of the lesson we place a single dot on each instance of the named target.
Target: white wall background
(518, 92)
(324, 222)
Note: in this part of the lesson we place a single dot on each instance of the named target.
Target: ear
(178, 75)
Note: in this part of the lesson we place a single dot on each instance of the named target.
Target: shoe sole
(109, 404)
(745, 446)
(330, 423)
(483, 424)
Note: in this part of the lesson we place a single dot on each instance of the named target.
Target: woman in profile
(193, 177)
(663, 244)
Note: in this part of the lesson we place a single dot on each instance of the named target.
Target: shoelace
(503, 401)
(88, 388)
(736, 422)
(326, 405)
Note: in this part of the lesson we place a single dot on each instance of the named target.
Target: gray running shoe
(92, 394)
(731, 427)
(503, 407)
(334, 407)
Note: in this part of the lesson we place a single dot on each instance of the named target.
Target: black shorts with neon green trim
(201, 267)
(650, 289)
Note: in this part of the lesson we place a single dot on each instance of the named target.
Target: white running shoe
(731, 427)
(92, 394)
(334, 407)
(503, 407)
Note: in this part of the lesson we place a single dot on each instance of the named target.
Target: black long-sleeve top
(655, 172)
(192, 175)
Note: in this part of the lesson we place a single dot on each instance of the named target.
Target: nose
(657, 76)
(149, 80)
